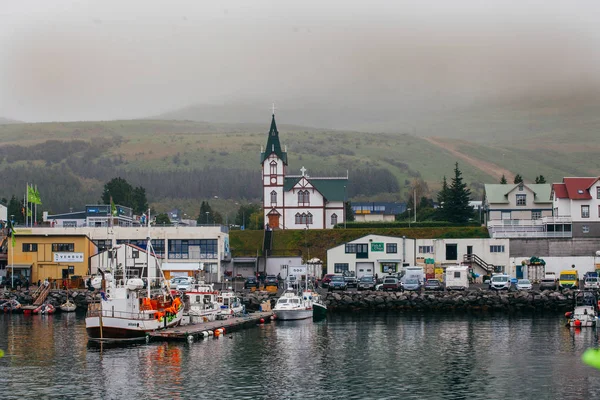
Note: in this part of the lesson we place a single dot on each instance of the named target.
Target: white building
(371, 255)
(95, 215)
(3, 213)
(298, 201)
(135, 260)
(576, 205)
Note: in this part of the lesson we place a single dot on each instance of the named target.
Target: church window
(309, 219)
(334, 219)
(273, 168)
(273, 198)
(303, 198)
(298, 219)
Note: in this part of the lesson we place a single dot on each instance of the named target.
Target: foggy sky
(113, 59)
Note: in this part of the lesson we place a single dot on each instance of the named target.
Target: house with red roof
(577, 200)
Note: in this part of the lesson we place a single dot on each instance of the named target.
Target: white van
(500, 281)
(457, 277)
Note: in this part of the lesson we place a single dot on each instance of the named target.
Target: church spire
(273, 144)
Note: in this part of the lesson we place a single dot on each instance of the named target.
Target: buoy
(222, 330)
(568, 314)
(577, 322)
(210, 333)
(190, 338)
(217, 333)
(204, 333)
(272, 318)
(262, 321)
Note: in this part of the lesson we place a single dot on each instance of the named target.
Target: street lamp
(408, 209)
(344, 213)
(207, 212)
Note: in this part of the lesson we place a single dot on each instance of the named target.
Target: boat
(230, 305)
(130, 307)
(585, 311)
(201, 304)
(291, 306)
(319, 307)
(45, 308)
(10, 306)
(68, 306)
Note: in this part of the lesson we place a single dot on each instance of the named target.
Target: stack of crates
(429, 268)
(439, 272)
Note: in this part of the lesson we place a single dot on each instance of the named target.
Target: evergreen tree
(349, 212)
(242, 217)
(139, 200)
(15, 208)
(120, 190)
(442, 199)
(203, 218)
(503, 180)
(162, 219)
(456, 207)
(518, 179)
(540, 179)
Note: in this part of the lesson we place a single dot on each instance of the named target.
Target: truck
(414, 273)
(568, 279)
(457, 277)
(550, 275)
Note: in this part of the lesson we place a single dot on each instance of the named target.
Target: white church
(298, 201)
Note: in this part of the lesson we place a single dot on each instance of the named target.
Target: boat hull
(126, 328)
(319, 311)
(290, 315)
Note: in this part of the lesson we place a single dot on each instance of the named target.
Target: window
(598, 192)
(391, 247)
(334, 219)
(135, 254)
(497, 249)
(350, 248)
(457, 274)
(273, 198)
(273, 166)
(63, 247)
(29, 247)
(303, 198)
(585, 211)
(298, 218)
(521, 199)
(340, 268)
(425, 249)
(102, 244)
(362, 250)
(69, 224)
(585, 228)
(309, 219)
(193, 248)
(536, 214)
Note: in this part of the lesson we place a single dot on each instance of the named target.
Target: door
(364, 268)
(469, 250)
(451, 252)
(65, 273)
(273, 221)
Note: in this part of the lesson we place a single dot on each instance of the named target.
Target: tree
(518, 179)
(162, 219)
(349, 212)
(503, 180)
(124, 194)
(540, 179)
(242, 217)
(456, 207)
(206, 214)
(256, 220)
(15, 208)
(442, 199)
(139, 200)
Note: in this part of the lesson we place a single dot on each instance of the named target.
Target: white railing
(529, 234)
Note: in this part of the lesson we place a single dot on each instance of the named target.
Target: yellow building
(53, 257)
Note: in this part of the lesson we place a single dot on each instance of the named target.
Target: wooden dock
(204, 330)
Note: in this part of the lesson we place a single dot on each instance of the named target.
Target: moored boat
(10, 306)
(202, 304)
(45, 308)
(230, 305)
(68, 306)
(585, 311)
(319, 307)
(291, 306)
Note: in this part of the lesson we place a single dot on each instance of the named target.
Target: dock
(204, 330)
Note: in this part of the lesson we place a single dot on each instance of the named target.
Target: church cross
(303, 170)
(273, 109)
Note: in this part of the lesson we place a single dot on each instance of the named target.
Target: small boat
(291, 306)
(230, 305)
(202, 304)
(319, 307)
(585, 311)
(45, 308)
(10, 306)
(68, 306)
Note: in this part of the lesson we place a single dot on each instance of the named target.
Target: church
(298, 201)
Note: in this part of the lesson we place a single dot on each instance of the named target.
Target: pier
(204, 330)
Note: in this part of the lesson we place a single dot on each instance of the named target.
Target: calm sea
(380, 356)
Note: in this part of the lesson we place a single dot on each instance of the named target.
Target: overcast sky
(110, 59)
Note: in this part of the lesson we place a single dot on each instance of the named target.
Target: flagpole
(36, 203)
(25, 204)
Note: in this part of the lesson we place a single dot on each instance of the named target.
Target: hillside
(180, 163)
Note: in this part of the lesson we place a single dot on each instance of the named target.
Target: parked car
(271, 280)
(251, 282)
(412, 284)
(433, 284)
(523, 284)
(500, 281)
(591, 282)
(351, 280)
(391, 283)
(548, 284)
(337, 282)
(366, 282)
(182, 283)
(326, 279)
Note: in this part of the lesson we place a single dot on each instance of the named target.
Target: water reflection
(347, 356)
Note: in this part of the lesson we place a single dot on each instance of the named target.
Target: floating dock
(206, 329)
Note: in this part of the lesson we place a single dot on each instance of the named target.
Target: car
(591, 282)
(337, 283)
(523, 284)
(412, 284)
(391, 283)
(366, 282)
(326, 279)
(184, 281)
(351, 280)
(271, 280)
(548, 284)
(433, 284)
(500, 281)
(251, 282)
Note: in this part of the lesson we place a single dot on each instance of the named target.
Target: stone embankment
(253, 300)
(56, 297)
(473, 300)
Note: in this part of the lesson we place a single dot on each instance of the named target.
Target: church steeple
(273, 144)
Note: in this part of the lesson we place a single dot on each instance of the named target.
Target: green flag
(113, 208)
(30, 194)
(38, 200)
(11, 233)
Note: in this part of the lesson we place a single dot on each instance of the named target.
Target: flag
(30, 194)
(11, 232)
(38, 200)
(113, 208)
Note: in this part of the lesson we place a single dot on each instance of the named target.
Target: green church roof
(333, 189)
(273, 145)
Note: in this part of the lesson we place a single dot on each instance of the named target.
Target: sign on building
(297, 270)
(376, 246)
(68, 257)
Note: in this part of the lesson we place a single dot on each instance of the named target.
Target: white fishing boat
(202, 304)
(68, 306)
(130, 307)
(291, 306)
(585, 311)
(230, 305)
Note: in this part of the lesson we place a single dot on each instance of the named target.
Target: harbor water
(379, 356)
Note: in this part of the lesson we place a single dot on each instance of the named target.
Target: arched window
(300, 197)
(334, 219)
(309, 220)
(298, 219)
(303, 198)
(273, 168)
(306, 198)
(273, 198)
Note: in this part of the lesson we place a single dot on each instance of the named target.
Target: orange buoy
(217, 332)
(577, 322)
